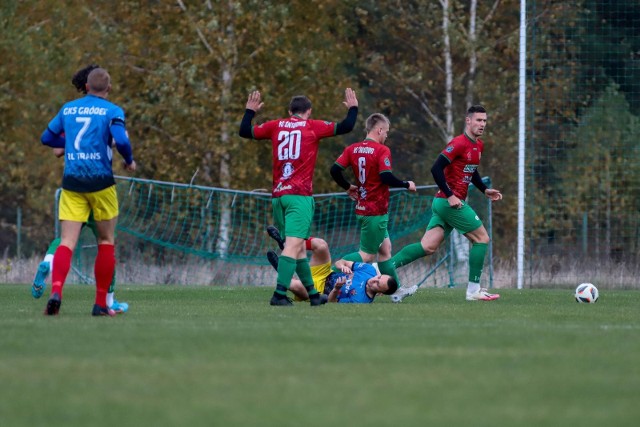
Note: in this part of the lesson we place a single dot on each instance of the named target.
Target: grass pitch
(208, 356)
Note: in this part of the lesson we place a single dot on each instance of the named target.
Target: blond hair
(373, 120)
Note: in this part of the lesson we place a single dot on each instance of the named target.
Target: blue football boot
(119, 307)
(39, 285)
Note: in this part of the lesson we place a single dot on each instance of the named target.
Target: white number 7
(85, 126)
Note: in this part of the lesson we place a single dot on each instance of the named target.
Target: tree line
(182, 71)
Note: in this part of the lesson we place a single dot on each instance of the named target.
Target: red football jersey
(464, 155)
(368, 159)
(295, 151)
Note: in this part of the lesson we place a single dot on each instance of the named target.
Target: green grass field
(207, 356)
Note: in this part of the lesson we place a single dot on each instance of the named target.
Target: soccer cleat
(53, 305)
(39, 285)
(273, 259)
(102, 311)
(275, 235)
(119, 307)
(403, 292)
(482, 295)
(317, 299)
(278, 299)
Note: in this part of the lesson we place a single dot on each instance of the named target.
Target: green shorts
(464, 219)
(373, 231)
(293, 215)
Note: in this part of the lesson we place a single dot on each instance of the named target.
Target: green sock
(112, 286)
(53, 246)
(286, 268)
(386, 267)
(476, 261)
(304, 274)
(408, 254)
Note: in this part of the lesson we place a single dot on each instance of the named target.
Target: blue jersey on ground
(86, 123)
(354, 291)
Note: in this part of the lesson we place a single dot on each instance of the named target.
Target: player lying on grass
(353, 283)
(359, 283)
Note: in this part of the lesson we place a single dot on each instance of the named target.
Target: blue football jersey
(86, 123)
(354, 291)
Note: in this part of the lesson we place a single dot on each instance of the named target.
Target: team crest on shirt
(363, 193)
(387, 162)
(449, 148)
(287, 170)
(468, 156)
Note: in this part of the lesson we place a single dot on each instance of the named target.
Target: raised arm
(351, 102)
(254, 104)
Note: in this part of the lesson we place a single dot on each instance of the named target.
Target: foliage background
(182, 71)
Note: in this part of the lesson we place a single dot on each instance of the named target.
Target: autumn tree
(425, 62)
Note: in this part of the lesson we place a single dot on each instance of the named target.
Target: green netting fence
(171, 233)
(583, 155)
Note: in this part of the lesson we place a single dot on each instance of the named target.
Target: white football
(587, 293)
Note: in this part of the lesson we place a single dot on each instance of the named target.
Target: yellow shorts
(319, 274)
(77, 206)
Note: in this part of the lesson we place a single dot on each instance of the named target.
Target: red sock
(61, 266)
(103, 269)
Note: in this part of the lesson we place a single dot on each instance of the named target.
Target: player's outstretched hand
(493, 194)
(412, 186)
(350, 99)
(254, 102)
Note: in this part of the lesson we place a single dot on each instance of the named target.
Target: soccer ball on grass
(587, 293)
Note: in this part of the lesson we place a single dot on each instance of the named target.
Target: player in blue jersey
(89, 124)
(79, 81)
(325, 280)
(360, 283)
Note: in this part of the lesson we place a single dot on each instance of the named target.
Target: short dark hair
(393, 286)
(475, 109)
(79, 79)
(299, 104)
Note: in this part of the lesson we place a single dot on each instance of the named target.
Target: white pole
(521, 136)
